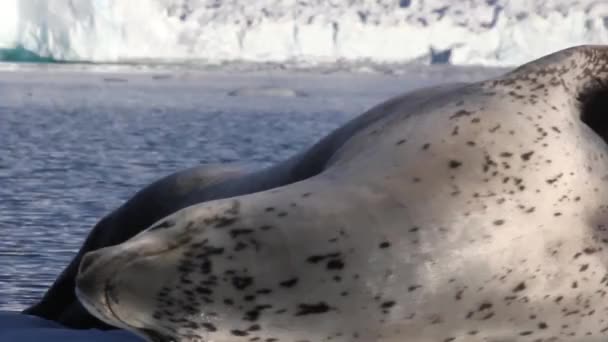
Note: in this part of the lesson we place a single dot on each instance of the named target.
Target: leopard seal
(473, 212)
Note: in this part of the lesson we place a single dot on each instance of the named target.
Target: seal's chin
(108, 315)
(94, 310)
(98, 303)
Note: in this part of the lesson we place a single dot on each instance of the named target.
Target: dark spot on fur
(239, 333)
(385, 244)
(289, 283)
(312, 309)
(487, 316)
(453, 164)
(460, 113)
(254, 314)
(335, 264)
(388, 304)
(554, 179)
(241, 283)
(237, 232)
(520, 287)
(526, 156)
(485, 306)
(224, 221)
(589, 250)
(315, 259)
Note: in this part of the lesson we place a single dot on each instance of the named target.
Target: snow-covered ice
(486, 32)
(15, 327)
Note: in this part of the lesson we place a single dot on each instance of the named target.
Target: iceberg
(476, 32)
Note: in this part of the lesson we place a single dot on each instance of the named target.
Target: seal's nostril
(86, 262)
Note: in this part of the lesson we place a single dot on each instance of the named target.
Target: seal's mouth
(111, 298)
(108, 297)
(107, 271)
(150, 335)
(106, 312)
(88, 304)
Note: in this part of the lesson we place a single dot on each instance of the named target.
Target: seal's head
(222, 271)
(155, 284)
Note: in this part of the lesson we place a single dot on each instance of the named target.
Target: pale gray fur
(467, 213)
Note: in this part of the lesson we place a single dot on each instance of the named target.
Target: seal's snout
(112, 281)
(93, 287)
(86, 262)
(87, 283)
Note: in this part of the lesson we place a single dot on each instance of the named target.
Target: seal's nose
(85, 280)
(87, 261)
(92, 284)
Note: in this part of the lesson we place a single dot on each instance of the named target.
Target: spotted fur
(463, 213)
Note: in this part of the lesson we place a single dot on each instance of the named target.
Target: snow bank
(487, 32)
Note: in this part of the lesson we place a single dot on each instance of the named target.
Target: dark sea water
(75, 144)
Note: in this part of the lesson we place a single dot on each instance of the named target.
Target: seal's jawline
(146, 333)
(106, 295)
(92, 308)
